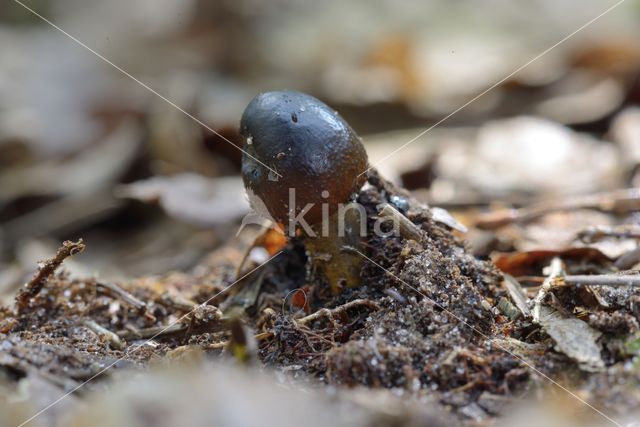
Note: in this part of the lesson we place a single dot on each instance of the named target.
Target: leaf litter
(379, 354)
(427, 320)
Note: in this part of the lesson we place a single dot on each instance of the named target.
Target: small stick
(113, 339)
(407, 228)
(618, 201)
(264, 335)
(614, 280)
(595, 233)
(323, 312)
(556, 272)
(39, 280)
(179, 302)
(337, 310)
(126, 296)
(156, 331)
(216, 325)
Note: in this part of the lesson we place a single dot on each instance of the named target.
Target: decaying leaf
(625, 131)
(192, 198)
(582, 97)
(517, 295)
(70, 131)
(542, 155)
(92, 170)
(532, 262)
(573, 337)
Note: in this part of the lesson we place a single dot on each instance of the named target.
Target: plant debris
(428, 319)
(509, 295)
(573, 337)
(45, 271)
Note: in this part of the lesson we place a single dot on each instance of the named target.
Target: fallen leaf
(573, 337)
(517, 294)
(532, 262)
(192, 198)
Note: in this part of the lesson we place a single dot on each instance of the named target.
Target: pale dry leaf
(192, 198)
(573, 337)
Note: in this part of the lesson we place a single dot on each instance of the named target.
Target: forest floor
(436, 325)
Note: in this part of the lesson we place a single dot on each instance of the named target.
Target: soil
(424, 322)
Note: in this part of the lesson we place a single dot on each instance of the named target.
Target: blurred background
(85, 151)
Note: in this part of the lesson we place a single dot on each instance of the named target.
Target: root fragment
(331, 314)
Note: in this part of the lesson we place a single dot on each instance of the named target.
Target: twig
(615, 280)
(407, 228)
(179, 302)
(216, 325)
(156, 331)
(595, 233)
(264, 335)
(323, 312)
(39, 280)
(124, 295)
(113, 339)
(618, 201)
(556, 272)
(337, 311)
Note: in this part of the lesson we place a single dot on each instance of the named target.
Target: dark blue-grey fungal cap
(313, 149)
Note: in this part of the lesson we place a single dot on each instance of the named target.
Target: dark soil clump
(432, 331)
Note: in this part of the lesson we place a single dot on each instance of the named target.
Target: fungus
(303, 164)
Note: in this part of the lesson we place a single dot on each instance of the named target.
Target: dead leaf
(532, 262)
(94, 169)
(192, 198)
(582, 97)
(517, 294)
(573, 337)
(625, 131)
(536, 155)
